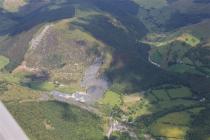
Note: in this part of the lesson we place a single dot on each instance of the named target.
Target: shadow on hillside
(130, 64)
(43, 14)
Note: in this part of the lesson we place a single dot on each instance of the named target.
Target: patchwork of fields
(154, 58)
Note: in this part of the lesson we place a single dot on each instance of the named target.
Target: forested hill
(145, 62)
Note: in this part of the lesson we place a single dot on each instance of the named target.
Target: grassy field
(165, 39)
(3, 61)
(111, 98)
(101, 29)
(45, 86)
(165, 122)
(54, 120)
(172, 126)
(189, 39)
(199, 129)
(129, 106)
(15, 93)
(161, 95)
(170, 104)
(50, 86)
(179, 92)
(142, 107)
(154, 101)
(169, 94)
(182, 68)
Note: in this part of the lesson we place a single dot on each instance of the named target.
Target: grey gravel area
(95, 84)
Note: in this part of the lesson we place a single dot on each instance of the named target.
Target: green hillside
(144, 64)
(56, 120)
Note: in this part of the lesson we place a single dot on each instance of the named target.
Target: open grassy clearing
(3, 61)
(185, 68)
(15, 93)
(129, 100)
(189, 39)
(168, 94)
(128, 106)
(164, 122)
(157, 100)
(169, 129)
(10, 78)
(170, 104)
(182, 68)
(179, 92)
(166, 39)
(171, 126)
(161, 95)
(54, 120)
(111, 98)
(154, 101)
(199, 129)
(174, 125)
(45, 86)
(19, 79)
(195, 110)
(142, 107)
(178, 118)
(163, 99)
(49, 86)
